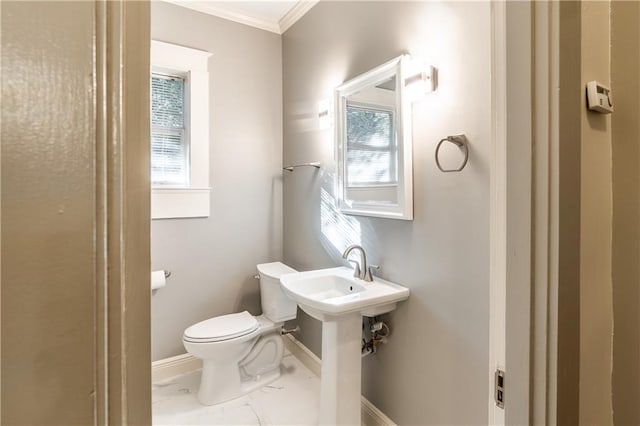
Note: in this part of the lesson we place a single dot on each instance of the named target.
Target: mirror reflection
(373, 144)
(372, 155)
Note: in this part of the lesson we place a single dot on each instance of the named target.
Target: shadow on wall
(304, 117)
(249, 290)
(597, 122)
(249, 297)
(274, 231)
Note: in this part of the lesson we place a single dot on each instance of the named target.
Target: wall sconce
(422, 82)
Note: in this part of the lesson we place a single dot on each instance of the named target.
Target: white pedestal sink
(337, 299)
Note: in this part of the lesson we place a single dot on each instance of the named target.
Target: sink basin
(326, 293)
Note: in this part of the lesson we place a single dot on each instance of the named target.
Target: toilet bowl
(241, 352)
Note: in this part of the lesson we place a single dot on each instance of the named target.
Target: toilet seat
(224, 327)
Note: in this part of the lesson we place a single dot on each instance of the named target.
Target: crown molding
(295, 13)
(206, 7)
(279, 27)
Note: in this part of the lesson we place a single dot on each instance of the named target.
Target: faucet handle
(371, 268)
(356, 268)
(368, 274)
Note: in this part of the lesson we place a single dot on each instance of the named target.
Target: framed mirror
(374, 144)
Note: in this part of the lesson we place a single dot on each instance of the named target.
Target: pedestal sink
(339, 300)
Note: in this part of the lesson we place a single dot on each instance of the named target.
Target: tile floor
(291, 400)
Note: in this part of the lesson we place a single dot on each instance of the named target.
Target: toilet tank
(275, 304)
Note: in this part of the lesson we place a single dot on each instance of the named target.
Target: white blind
(371, 147)
(169, 147)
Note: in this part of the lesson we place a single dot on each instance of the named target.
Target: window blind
(371, 148)
(169, 147)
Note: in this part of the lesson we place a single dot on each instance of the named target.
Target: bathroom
(266, 89)
(82, 227)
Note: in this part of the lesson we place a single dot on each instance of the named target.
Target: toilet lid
(224, 327)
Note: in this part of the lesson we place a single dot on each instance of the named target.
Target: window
(179, 131)
(371, 148)
(169, 143)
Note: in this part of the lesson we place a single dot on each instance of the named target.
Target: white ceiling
(274, 16)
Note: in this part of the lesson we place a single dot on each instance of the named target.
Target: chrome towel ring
(462, 142)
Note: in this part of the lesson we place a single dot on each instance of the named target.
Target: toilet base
(211, 393)
(236, 367)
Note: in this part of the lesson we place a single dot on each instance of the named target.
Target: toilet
(241, 352)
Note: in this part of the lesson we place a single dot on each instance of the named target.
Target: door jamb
(525, 210)
(122, 223)
(498, 207)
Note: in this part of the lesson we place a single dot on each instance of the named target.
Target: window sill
(176, 203)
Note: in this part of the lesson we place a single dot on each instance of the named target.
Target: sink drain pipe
(376, 334)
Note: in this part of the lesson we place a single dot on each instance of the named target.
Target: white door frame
(498, 205)
(545, 221)
(524, 210)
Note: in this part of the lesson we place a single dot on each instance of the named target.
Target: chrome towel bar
(315, 164)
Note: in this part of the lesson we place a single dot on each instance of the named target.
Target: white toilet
(241, 352)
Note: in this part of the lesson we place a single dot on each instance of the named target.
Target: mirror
(373, 143)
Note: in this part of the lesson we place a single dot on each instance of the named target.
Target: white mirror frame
(404, 209)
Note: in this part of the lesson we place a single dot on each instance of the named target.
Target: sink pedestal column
(340, 400)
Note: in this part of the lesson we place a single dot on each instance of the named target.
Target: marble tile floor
(291, 400)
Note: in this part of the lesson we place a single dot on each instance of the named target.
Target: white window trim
(169, 203)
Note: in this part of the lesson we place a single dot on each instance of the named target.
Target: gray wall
(213, 260)
(434, 371)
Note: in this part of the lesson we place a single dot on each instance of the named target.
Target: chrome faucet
(360, 270)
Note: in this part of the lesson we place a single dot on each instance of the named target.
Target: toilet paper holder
(159, 279)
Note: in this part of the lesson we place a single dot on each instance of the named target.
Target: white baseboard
(174, 366)
(185, 363)
(371, 415)
(304, 354)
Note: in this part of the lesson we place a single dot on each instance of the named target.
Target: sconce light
(324, 114)
(425, 81)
